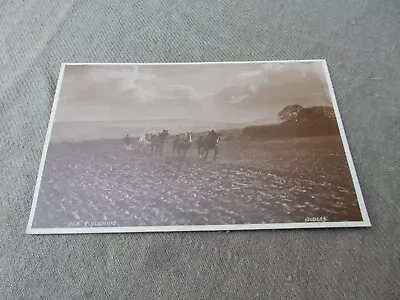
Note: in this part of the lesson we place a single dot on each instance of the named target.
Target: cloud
(184, 91)
(252, 88)
(233, 93)
(144, 88)
(277, 66)
(145, 95)
(248, 74)
(127, 81)
(149, 94)
(236, 100)
(252, 79)
(131, 81)
(141, 87)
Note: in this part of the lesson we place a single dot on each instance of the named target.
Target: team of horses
(153, 143)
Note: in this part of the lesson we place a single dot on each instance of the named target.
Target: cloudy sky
(233, 93)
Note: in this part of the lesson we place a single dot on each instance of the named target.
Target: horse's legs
(201, 151)
(205, 155)
(215, 153)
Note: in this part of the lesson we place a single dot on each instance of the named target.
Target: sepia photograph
(195, 147)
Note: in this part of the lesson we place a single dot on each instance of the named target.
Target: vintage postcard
(195, 147)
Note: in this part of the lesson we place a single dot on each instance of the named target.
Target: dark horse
(181, 146)
(207, 143)
(157, 142)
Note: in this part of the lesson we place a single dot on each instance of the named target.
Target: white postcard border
(184, 228)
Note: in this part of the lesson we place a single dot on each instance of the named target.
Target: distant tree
(297, 113)
(326, 111)
(314, 115)
(290, 113)
(298, 121)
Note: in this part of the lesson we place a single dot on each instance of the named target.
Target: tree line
(298, 121)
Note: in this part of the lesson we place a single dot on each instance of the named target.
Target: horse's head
(189, 136)
(164, 133)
